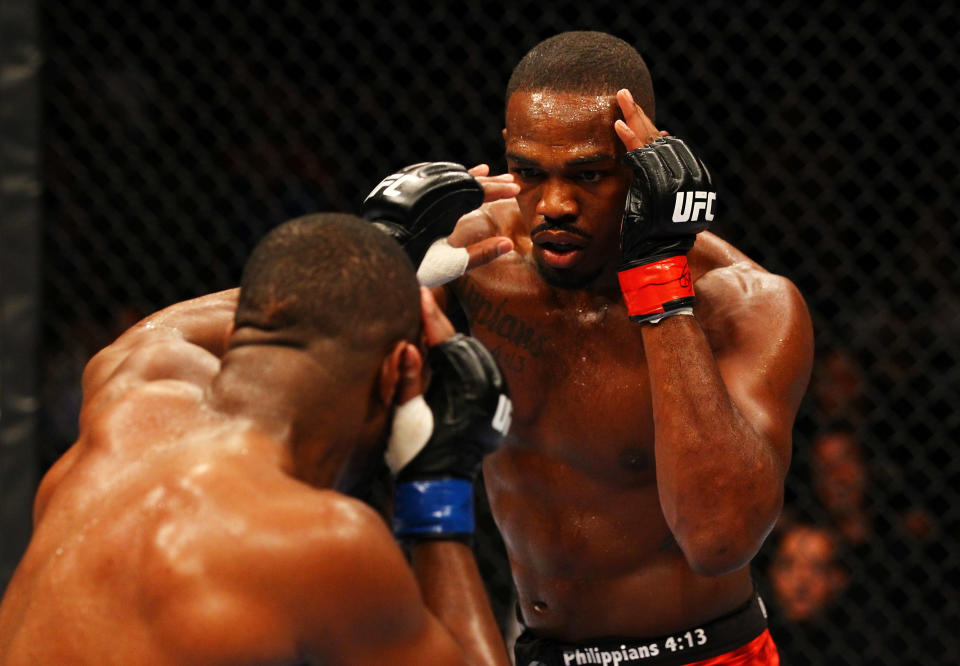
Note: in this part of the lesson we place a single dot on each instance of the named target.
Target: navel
(635, 458)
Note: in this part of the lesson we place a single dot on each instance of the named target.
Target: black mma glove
(670, 201)
(469, 407)
(419, 206)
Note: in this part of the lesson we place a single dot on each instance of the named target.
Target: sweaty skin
(181, 529)
(645, 464)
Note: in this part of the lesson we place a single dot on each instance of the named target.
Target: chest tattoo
(483, 313)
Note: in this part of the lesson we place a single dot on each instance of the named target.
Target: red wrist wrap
(657, 287)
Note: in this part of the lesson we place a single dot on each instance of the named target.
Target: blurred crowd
(862, 566)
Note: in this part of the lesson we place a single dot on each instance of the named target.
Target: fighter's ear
(503, 133)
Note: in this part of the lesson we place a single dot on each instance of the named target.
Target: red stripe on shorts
(761, 651)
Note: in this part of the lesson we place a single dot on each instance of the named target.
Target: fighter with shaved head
(656, 372)
(202, 515)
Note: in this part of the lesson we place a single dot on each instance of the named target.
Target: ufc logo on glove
(689, 204)
(390, 186)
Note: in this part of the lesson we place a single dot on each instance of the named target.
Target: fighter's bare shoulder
(329, 546)
(753, 318)
(182, 341)
(732, 288)
(258, 585)
(118, 370)
(310, 568)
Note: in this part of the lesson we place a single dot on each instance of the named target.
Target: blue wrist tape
(437, 507)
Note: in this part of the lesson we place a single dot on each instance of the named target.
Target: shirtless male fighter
(656, 372)
(199, 517)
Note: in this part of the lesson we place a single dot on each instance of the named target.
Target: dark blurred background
(164, 139)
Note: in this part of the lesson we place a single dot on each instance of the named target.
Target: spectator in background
(840, 481)
(806, 574)
(808, 578)
(846, 575)
(850, 497)
(837, 386)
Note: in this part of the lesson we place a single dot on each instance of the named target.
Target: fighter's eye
(526, 173)
(590, 176)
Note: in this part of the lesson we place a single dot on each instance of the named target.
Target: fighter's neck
(305, 413)
(592, 296)
(592, 291)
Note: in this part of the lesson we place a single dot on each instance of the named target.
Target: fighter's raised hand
(671, 200)
(503, 186)
(420, 206)
(474, 232)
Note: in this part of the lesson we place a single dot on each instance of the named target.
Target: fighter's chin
(564, 278)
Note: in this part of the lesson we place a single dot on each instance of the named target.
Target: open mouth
(560, 249)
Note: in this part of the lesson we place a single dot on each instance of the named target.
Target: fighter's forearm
(453, 591)
(719, 482)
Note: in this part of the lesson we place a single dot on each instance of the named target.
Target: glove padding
(670, 201)
(421, 203)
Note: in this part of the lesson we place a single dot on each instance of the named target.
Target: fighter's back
(108, 526)
(161, 529)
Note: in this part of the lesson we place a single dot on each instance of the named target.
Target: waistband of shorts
(711, 639)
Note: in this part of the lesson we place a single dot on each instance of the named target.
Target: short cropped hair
(584, 62)
(331, 275)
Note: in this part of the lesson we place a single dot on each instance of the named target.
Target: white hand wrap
(442, 263)
(412, 427)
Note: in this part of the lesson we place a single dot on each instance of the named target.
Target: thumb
(409, 385)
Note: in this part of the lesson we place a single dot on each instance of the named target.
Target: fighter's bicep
(766, 364)
(429, 643)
